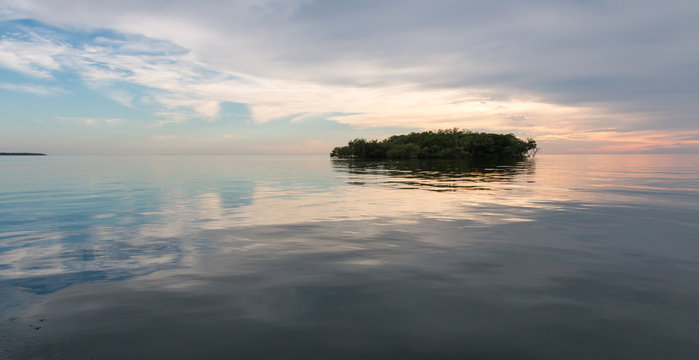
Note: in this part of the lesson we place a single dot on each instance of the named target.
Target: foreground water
(561, 257)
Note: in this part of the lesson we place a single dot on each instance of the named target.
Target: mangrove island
(442, 144)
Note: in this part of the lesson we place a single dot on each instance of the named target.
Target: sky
(300, 76)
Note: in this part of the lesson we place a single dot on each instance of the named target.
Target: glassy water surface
(562, 256)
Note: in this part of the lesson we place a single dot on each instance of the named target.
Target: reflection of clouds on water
(124, 233)
(94, 254)
(96, 228)
(46, 253)
(422, 283)
(501, 195)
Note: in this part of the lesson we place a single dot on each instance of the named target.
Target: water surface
(562, 256)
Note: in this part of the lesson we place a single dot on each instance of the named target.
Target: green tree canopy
(442, 144)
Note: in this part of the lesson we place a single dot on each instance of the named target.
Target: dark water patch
(427, 289)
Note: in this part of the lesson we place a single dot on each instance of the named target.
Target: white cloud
(36, 58)
(540, 69)
(31, 89)
(186, 89)
(122, 97)
(91, 121)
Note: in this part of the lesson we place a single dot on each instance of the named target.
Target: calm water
(560, 257)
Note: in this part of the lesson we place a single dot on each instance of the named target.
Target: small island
(442, 144)
(21, 154)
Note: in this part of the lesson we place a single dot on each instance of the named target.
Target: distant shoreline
(21, 154)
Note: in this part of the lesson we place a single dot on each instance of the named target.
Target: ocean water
(556, 257)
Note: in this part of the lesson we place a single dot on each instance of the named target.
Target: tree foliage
(442, 144)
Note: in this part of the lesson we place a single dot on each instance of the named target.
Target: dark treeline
(21, 154)
(443, 144)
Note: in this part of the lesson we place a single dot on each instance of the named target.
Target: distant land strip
(21, 154)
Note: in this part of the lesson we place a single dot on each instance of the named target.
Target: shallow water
(562, 256)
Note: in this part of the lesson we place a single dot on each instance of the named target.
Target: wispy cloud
(35, 57)
(32, 89)
(92, 121)
(185, 88)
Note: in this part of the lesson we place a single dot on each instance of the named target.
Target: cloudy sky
(301, 76)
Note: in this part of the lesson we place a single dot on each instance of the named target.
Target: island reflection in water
(435, 175)
(561, 257)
